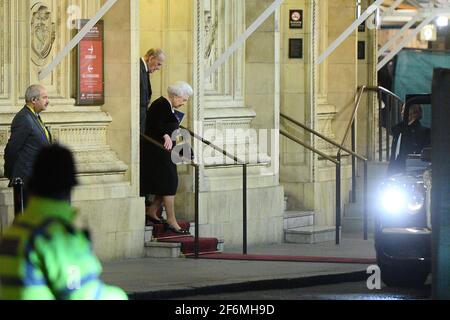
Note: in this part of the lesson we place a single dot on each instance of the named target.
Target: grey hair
(155, 53)
(33, 91)
(180, 89)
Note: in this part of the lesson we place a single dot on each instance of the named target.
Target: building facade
(237, 106)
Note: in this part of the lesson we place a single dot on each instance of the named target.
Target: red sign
(91, 85)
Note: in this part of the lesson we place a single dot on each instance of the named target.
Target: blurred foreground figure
(43, 255)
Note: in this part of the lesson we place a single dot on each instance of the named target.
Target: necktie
(43, 127)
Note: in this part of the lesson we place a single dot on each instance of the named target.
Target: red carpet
(206, 245)
(187, 244)
(160, 232)
(257, 257)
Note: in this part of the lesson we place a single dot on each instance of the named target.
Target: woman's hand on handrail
(168, 144)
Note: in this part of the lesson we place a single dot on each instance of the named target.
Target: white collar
(173, 111)
(145, 64)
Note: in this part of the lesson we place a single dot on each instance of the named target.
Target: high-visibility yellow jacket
(43, 256)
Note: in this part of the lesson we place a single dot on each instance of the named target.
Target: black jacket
(26, 140)
(415, 137)
(145, 94)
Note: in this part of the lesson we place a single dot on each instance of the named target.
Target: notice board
(90, 61)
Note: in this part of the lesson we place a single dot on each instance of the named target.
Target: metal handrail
(338, 176)
(309, 147)
(338, 156)
(352, 125)
(244, 186)
(196, 187)
(161, 146)
(322, 136)
(380, 89)
(18, 196)
(352, 120)
(210, 144)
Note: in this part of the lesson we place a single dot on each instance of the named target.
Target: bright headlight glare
(393, 200)
(415, 203)
(442, 21)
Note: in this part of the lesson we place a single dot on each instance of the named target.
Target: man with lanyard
(28, 136)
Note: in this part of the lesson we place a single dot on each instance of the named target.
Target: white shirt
(145, 64)
(173, 111)
(397, 149)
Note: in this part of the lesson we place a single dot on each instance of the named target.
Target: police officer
(43, 255)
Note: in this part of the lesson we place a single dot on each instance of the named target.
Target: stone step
(155, 249)
(310, 234)
(148, 234)
(296, 219)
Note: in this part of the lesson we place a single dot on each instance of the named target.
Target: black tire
(401, 275)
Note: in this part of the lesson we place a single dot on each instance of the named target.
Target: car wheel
(401, 275)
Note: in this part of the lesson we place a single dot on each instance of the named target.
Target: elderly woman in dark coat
(160, 174)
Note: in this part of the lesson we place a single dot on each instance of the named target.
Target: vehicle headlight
(397, 199)
(393, 200)
(416, 200)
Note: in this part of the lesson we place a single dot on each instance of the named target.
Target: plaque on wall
(296, 48)
(295, 19)
(362, 27)
(361, 50)
(90, 73)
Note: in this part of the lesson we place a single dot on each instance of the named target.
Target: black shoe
(154, 221)
(173, 229)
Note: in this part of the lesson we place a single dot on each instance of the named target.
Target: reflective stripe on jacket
(43, 256)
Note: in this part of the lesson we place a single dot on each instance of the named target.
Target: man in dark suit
(28, 136)
(151, 62)
(408, 138)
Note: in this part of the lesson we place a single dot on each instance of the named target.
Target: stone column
(367, 75)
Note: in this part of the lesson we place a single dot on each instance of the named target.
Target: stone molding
(223, 22)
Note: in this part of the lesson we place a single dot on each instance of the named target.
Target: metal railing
(338, 174)
(352, 125)
(244, 189)
(196, 184)
(392, 104)
(18, 196)
(389, 107)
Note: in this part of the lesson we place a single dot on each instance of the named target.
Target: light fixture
(428, 33)
(442, 21)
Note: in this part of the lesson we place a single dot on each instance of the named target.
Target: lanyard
(41, 123)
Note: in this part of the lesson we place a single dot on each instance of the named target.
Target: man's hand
(168, 144)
